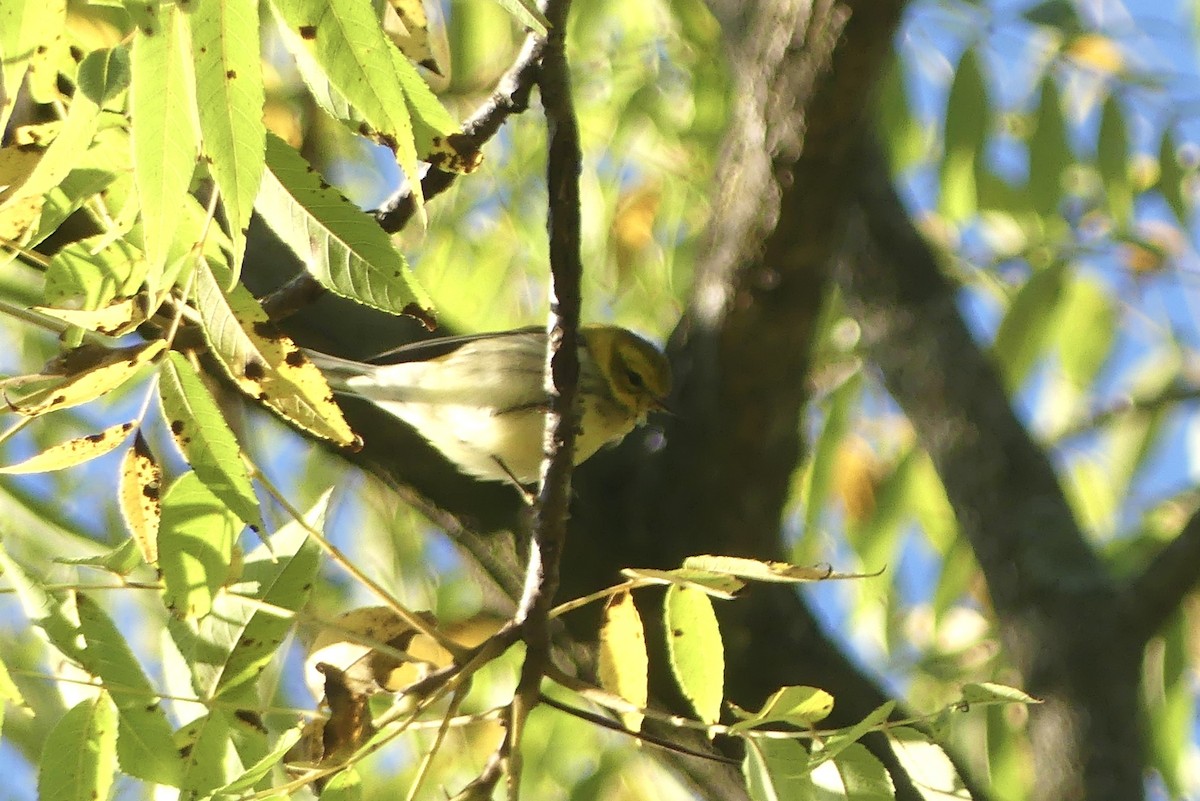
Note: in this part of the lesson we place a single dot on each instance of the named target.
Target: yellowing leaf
(624, 664)
(265, 364)
(795, 706)
(408, 28)
(695, 650)
(77, 376)
(139, 497)
(72, 452)
(120, 316)
(718, 585)
(756, 570)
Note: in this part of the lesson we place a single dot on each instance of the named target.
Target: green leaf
(819, 480)
(926, 763)
(528, 15)
(718, 585)
(206, 440)
(1112, 160)
(195, 546)
(991, 693)
(343, 248)
(968, 122)
(1049, 152)
(229, 649)
(1171, 177)
(79, 758)
(344, 786)
(8, 689)
(55, 615)
(205, 745)
(623, 663)
(907, 140)
(74, 137)
(230, 97)
(777, 770)
(93, 272)
(834, 744)
(346, 39)
(864, 778)
(1086, 306)
(163, 109)
(120, 561)
(1031, 318)
(263, 363)
(26, 27)
(1059, 14)
(259, 770)
(105, 74)
(757, 570)
(797, 706)
(144, 746)
(695, 650)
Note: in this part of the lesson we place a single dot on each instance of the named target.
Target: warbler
(480, 400)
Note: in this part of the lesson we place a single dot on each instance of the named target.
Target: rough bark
(1063, 620)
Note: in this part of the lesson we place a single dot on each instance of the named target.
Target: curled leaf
(77, 376)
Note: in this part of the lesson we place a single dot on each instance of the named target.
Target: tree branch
(1155, 594)
(563, 167)
(1060, 615)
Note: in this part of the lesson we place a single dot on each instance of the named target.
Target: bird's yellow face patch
(637, 374)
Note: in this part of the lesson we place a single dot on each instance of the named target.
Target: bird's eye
(634, 378)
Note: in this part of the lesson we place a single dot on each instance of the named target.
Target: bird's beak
(660, 405)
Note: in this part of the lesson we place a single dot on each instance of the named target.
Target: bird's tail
(338, 371)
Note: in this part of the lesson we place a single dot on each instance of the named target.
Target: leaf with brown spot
(408, 28)
(262, 362)
(77, 376)
(72, 452)
(340, 245)
(120, 316)
(206, 440)
(139, 497)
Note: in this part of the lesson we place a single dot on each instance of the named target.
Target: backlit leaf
(139, 491)
(230, 97)
(195, 546)
(342, 247)
(624, 665)
(120, 316)
(77, 376)
(144, 746)
(795, 706)
(79, 759)
(346, 39)
(696, 652)
(163, 110)
(206, 440)
(72, 452)
(265, 364)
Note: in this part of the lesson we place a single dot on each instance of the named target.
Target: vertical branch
(562, 376)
